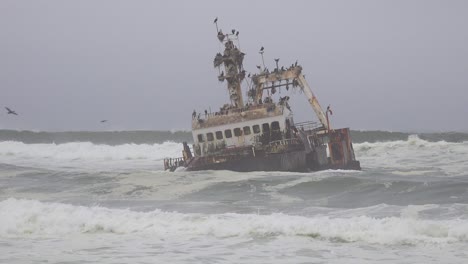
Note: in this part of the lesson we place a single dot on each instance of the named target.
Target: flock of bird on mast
(221, 37)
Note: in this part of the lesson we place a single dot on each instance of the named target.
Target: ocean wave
(152, 137)
(85, 154)
(415, 154)
(96, 137)
(33, 218)
(404, 157)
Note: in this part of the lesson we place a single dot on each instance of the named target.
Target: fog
(381, 65)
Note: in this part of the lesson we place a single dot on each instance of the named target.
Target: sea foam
(33, 218)
(86, 154)
(414, 154)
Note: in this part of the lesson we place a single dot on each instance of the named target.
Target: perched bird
(216, 20)
(295, 64)
(248, 75)
(103, 121)
(261, 49)
(276, 60)
(221, 77)
(329, 110)
(237, 33)
(241, 75)
(221, 35)
(10, 112)
(233, 31)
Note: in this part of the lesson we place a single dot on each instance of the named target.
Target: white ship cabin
(237, 128)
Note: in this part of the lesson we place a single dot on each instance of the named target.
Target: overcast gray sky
(388, 65)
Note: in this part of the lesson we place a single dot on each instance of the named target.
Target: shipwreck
(260, 134)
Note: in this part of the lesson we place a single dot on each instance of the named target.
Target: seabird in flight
(103, 121)
(10, 112)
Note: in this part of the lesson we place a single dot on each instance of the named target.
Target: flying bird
(10, 112)
(216, 20)
(103, 121)
(259, 67)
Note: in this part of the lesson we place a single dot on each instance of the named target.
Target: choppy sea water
(81, 202)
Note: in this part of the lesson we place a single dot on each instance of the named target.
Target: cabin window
(200, 138)
(246, 130)
(209, 136)
(219, 135)
(228, 133)
(256, 129)
(237, 132)
(275, 131)
(266, 127)
(275, 125)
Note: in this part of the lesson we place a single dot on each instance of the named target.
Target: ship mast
(232, 60)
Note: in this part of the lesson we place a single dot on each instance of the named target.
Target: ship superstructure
(260, 134)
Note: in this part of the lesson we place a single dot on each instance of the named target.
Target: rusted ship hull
(306, 153)
(292, 162)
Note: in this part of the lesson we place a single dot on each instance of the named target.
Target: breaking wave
(152, 137)
(85, 154)
(415, 154)
(403, 156)
(29, 218)
(96, 137)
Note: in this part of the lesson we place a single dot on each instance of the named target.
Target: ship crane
(295, 75)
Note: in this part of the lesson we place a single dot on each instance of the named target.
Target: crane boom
(267, 80)
(313, 100)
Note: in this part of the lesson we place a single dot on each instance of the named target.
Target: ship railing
(308, 126)
(172, 163)
(249, 107)
(227, 112)
(290, 141)
(236, 149)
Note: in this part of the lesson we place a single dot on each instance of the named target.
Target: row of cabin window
(238, 132)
